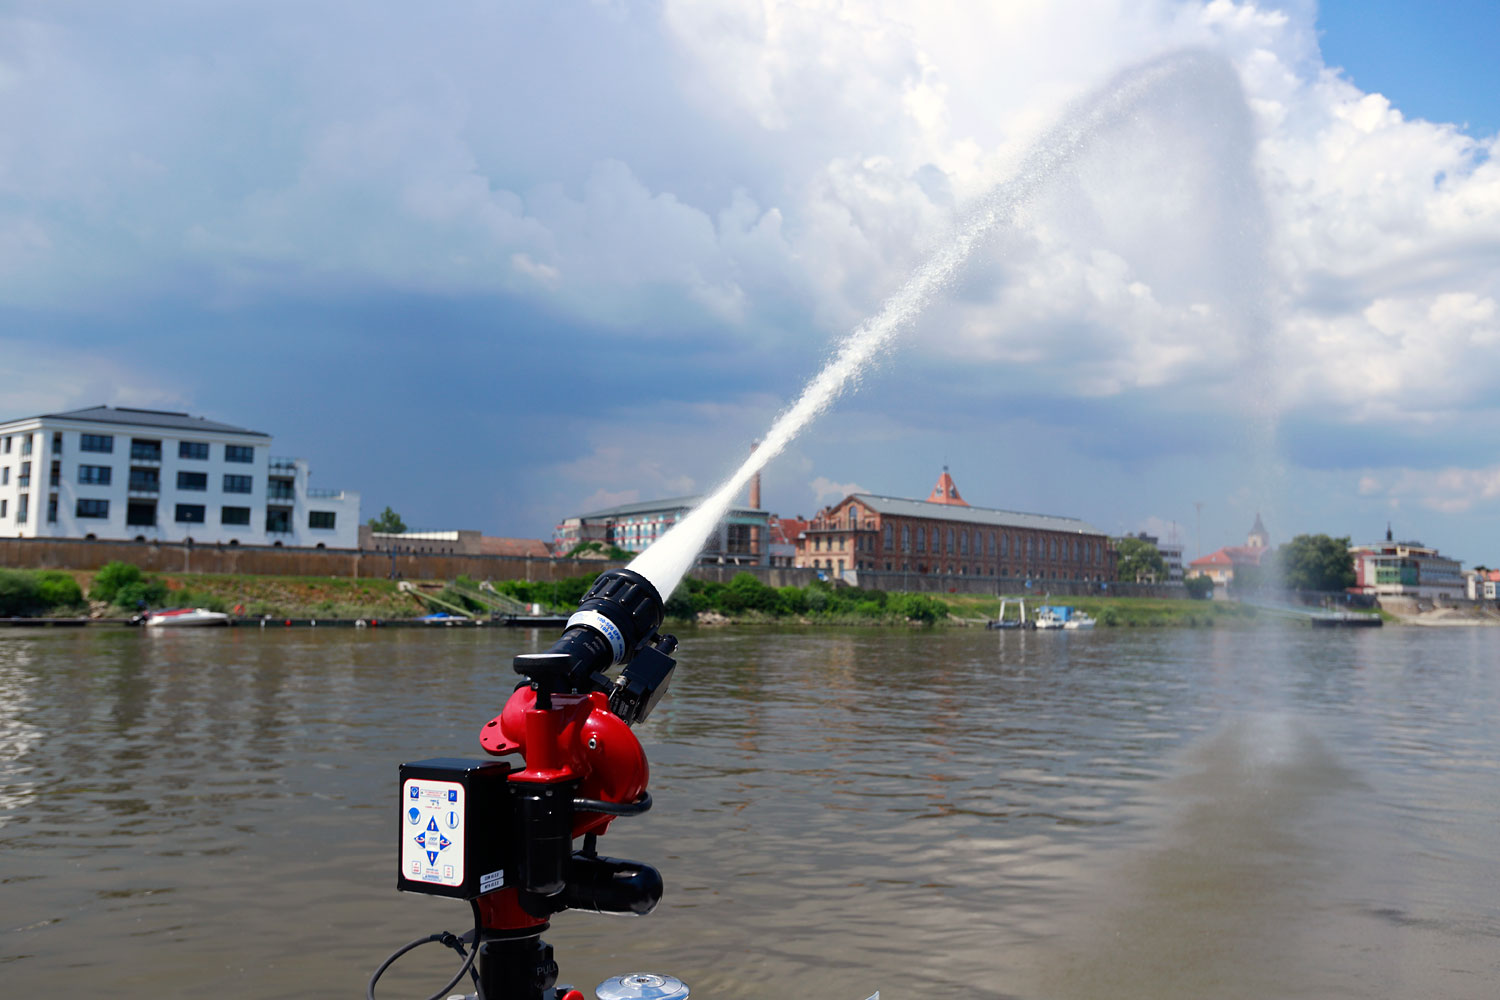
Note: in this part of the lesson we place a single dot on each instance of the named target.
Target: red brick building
(945, 535)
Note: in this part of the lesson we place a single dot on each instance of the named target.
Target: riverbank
(742, 601)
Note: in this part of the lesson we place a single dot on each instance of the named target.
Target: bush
(139, 594)
(1199, 588)
(111, 577)
(749, 593)
(917, 607)
(19, 595)
(58, 590)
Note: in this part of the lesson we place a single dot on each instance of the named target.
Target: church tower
(1259, 537)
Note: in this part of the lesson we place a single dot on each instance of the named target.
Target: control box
(455, 827)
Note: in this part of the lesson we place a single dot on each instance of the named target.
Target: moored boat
(181, 617)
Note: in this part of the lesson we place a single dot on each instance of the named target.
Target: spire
(946, 492)
(1259, 538)
(1388, 532)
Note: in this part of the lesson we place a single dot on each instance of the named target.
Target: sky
(495, 264)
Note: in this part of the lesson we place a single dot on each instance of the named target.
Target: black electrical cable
(449, 940)
(635, 808)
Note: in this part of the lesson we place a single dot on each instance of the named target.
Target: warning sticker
(432, 831)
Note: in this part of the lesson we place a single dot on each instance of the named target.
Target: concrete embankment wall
(171, 557)
(47, 553)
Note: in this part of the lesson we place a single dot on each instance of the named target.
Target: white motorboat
(1079, 619)
(182, 617)
(1049, 618)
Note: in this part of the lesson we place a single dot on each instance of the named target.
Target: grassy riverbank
(743, 600)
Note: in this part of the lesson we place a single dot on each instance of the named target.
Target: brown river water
(1123, 813)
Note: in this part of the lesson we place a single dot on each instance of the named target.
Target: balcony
(145, 453)
(282, 464)
(324, 494)
(280, 491)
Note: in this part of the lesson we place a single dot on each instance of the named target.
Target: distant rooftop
(650, 506)
(974, 515)
(170, 419)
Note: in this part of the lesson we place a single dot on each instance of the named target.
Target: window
(5, 476)
(238, 484)
(853, 517)
(234, 515)
(279, 489)
(239, 453)
(24, 479)
(54, 477)
(52, 509)
(889, 538)
(950, 546)
(143, 450)
(57, 442)
(190, 513)
(921, 540)
(7, 444)
(906, 538)
(279, 521)
(1005, 545)
(320, 519)
(963, 543)
(102, 443)
(192, 481)
(193, 449)
(94, 475)
(22, 502)
(26, 445)
(140, 513)
(4, 504)
(147, 480)
(92, 508)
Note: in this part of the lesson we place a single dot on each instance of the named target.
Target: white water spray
(666, 561)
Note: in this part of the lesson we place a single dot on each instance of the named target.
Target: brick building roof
(896, 506)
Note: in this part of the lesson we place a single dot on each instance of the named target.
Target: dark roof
(650, 506)
(150, 418)
(973, 515)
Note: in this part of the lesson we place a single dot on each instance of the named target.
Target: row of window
(190, 513)
(148, 479)
(25, 443)
(150, 451)
(961, 541)
(960, 570)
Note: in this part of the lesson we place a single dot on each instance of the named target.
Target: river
(1123, 813)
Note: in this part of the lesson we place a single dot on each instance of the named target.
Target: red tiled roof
(784, 530)
(1231, 555)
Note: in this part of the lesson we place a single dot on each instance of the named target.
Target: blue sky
(502, 263)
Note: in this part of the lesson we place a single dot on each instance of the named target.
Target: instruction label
(432, 831)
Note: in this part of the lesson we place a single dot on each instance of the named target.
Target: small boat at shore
(184, 617)
(1079, 620)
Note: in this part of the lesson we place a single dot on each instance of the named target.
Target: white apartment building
(158, 476)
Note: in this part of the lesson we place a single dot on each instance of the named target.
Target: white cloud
(756, 173)
(826, 491)
(1451, 490)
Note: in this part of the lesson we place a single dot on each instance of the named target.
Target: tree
(388, 523)
(1316, 562)
(1199, 588)
(1140, 561)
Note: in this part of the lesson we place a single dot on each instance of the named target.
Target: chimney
(755, 482)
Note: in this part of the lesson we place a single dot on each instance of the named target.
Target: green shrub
(18, 594)
(111, 577)
(1109, 617)
(58, 590)
(749, 593)
(917, 607)
(140, 594)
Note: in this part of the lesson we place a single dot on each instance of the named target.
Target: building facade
(161, 476)
(455, 542)
(945, 536)
(1406, 569)
(1221, 564)
(741, 538)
